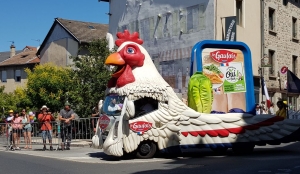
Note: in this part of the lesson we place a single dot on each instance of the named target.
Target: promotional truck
(142, 114)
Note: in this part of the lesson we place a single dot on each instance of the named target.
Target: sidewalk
(79, 154)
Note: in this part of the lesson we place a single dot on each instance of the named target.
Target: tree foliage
(48, 85)
(90, 77)
(7, 101)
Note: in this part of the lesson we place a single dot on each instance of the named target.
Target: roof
(6, 55)
(26, 56)
(83, 32)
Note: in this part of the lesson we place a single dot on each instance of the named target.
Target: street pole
(262, 87)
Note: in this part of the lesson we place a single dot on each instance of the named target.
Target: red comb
(124, 37)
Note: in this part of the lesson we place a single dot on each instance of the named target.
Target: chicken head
(127, 57)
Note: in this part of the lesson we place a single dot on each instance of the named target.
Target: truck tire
(219, 150)
(243, 150)
(146, 149)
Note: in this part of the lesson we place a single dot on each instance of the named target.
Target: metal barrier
(15, 136)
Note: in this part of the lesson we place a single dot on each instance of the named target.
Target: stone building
(281, 46)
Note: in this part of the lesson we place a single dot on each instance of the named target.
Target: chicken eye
(130, 50)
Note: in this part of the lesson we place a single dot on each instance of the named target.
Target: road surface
(284, 159)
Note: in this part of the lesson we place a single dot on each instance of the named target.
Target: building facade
(12, 70)
(68, 38)
(281, 46)
(171, 27)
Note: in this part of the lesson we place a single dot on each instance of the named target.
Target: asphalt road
(280, 160)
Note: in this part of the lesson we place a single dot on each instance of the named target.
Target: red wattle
(126, 77)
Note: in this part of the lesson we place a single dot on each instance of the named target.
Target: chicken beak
(115, 59)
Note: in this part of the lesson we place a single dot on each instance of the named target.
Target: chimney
(12, 50)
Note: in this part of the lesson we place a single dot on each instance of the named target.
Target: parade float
(221, 83)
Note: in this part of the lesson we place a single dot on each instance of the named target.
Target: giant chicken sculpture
(136, 77)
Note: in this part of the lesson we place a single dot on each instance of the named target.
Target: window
(294, 28)
(91, 27)
(271, 19)
(4, 76)
(239, 12)
(193, 17)
(271, 58)
(292, 103)
(294, 64)
(18, 76)
(284, 2)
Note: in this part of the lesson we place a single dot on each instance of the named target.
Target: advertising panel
(225, 69)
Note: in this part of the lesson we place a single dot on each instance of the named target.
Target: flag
(293, 83)
(224, 64)
(265, 92)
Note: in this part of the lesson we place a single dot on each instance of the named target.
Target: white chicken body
(174, 124)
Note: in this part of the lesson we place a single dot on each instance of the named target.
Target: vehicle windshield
(113, 105)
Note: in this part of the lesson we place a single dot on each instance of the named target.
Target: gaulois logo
(223, 56)
(140, 126)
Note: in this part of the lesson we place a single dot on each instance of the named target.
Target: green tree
(90, 77)
(7, 101)
(48, 85)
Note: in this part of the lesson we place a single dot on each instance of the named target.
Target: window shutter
(4, 76)
(175, 20)
(151, 27)
(201, 17)
(18, 73)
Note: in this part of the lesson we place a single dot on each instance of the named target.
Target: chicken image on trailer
(173, 126)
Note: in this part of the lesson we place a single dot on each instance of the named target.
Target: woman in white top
(271, 110)
(26, 129)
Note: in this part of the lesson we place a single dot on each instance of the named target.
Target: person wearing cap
(8, 123)
(282, 109)
(46, 127)
(66, 116)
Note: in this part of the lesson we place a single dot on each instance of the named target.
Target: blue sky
(26, 21)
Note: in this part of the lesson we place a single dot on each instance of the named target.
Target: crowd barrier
(80, 130)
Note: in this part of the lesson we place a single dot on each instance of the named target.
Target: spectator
(257, 109)
(271, 110)
(27, 129)
(282, 109)
(46, 127)
(95, 115)
(17, 127)
(66, 116)
(8, 128)
(8, 121)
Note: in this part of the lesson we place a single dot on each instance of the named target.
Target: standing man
(66, 116)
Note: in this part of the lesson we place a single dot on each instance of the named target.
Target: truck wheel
(243, 150)
(146, 149)
(220, 150)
